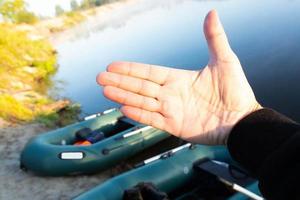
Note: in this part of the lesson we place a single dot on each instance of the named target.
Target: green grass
(13, 110)
(17, 50)
(64, 117)
(19, 112)
(28, 65)
(72, 18)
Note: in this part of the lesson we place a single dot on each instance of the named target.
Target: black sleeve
(267, 144)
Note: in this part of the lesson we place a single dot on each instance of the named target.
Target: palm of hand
(199, 106)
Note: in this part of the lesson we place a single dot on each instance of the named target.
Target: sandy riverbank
(16, 184)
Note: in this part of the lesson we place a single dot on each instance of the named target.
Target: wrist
(237, 118)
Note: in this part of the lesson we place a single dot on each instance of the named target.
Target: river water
(264, 34)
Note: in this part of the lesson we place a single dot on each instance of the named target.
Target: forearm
(266, 143)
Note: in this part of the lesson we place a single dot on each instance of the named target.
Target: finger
(143, 116)
(131, 99)
(218, 45)
(156, 74)
(132, 84)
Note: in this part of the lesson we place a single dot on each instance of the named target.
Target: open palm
(198, 106)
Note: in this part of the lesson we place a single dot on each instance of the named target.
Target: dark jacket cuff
(257, 136)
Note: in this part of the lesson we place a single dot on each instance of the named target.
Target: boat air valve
(105, 151)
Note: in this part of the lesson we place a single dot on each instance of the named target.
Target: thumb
(218, 45)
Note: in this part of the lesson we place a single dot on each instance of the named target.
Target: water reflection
(265, 35)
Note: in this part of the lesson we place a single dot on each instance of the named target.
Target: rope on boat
(99, 114)
(140, 130)
(106, 151)
(163, 155)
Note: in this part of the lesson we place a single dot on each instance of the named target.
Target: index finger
(156, 74)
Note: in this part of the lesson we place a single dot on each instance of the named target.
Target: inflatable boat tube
(168, 171)
(54, 153)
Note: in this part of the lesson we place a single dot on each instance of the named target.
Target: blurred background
(51, 52)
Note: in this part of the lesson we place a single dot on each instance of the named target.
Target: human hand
(198, 106)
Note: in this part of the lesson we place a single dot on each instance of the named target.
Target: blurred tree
(85, 4)
(9, 9)
(59, 10)
(15, 11)
(26, 17)
(92, 3)
(74, 5)
(98, 2)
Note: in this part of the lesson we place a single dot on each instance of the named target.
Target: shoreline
(42, 30)
(54, 28)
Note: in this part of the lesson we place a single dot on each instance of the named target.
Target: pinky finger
(145, 117)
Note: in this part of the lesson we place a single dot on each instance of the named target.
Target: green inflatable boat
(118, 138)
(184, 173)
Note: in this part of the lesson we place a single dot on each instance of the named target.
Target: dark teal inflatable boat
(55, 154)
(177, 170)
